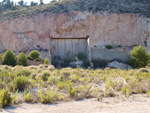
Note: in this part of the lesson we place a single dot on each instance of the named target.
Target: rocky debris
(116, 64)
(76, 64)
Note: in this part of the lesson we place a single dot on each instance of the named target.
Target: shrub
(71, 90)
(65, 62)
(109, 47)
(55, 61)
(38, 59)
(46, 61)
(45, 97)
(5, 98)
(46, 75)
(34, 54)
(99, 63)
(24, 72)
(81, 56)
(14, 8)
(27, 96)
(86, 63)
(9, 58)
(22, 59)
(139, 58)
(21, 82)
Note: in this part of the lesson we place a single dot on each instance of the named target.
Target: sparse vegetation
(21, 82)
(46, 85)
(64, 6)
(6, 98)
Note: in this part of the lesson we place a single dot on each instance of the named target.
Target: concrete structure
(110, 55)
(69, 47)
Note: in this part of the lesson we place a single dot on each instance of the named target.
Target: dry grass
(50, 85)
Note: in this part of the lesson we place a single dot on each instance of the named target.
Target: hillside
(141, 7)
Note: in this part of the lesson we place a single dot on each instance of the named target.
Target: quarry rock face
(28, 33)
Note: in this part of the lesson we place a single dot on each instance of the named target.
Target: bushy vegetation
(21, 82)
(9, 58)
(65, 6)
(99, 63)
(46, 84)
(109, 47)
(46, 61)
(5, 98)
(139, 57)
(81, 56)
(27, 96)
(34, 54)
(22, 59)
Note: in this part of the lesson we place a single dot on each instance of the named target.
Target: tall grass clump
(21, 82)
(5, 98)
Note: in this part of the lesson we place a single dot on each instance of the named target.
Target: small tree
(9, 58)
(46, 61)
(22, 59)
(34, 54)
(139, 58)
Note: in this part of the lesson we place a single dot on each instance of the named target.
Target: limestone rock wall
(27, 33)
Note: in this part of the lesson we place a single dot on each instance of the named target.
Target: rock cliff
(27, 33)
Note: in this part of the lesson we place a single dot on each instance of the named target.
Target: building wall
(109, 55)
(68, 47)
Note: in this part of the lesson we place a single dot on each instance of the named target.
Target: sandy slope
(134, 104)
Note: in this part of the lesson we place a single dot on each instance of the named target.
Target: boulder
(116, 64)
(76, 64)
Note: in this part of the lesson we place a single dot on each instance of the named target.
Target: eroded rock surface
(27, 33)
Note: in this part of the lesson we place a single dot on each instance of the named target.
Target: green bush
(21, 82)
(46, 75)
(38, 59)
(5, 98)
(34, 54)
(9, 58)
(139, 58)
(99, 63)
(86, 63)
(45, 97)
(46, 61)
(81, 56)
(22, 59)
(27, 96)
(109, 47)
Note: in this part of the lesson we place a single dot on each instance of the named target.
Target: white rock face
(119, 65)
(27, 33)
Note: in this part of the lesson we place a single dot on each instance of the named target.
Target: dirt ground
(134, 104)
